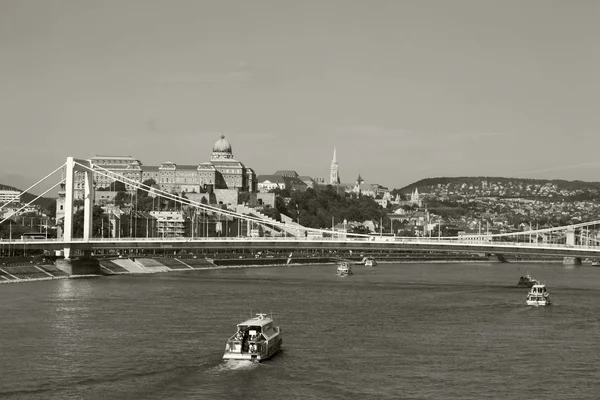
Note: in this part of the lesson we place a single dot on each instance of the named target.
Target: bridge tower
(570, 241)
(82, 265)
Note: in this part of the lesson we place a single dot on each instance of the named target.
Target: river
(396, 331)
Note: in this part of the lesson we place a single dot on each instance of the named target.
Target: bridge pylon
(84, 265)
(571, 241)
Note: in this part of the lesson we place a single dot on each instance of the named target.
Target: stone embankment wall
(27, 271)
(30, 273)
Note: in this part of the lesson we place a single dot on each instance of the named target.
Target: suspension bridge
(572, 242)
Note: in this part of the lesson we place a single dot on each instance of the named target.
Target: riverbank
(54, 278)
(146, 265)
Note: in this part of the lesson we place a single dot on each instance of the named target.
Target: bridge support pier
(570, 241)
(501, 258)
(572, 260)
(79, 266)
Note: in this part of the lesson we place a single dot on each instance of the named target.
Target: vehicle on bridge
(344, 269)
(256, 340)
(34, 235)
(538, 295)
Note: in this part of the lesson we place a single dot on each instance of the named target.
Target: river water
(396, 331)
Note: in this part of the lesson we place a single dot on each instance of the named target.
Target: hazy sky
(404, 89)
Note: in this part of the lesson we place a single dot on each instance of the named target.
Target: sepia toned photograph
(311, 200)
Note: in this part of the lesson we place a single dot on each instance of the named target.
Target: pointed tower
(360, 180)
(334, 173)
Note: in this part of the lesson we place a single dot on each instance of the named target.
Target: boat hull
(538, 302)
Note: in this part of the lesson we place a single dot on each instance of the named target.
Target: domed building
(224, 172)
(221, 172)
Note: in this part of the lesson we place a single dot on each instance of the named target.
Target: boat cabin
(255, 339)
(538, 293)
(251, 332)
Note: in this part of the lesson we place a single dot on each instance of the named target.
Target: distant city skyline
(404, 90)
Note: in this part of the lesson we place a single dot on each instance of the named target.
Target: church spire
(334, 174)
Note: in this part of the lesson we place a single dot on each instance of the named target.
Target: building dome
(222, 146)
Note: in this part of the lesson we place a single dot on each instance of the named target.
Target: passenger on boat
(239, 335)
(253, 335)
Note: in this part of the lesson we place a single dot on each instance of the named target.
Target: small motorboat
(526, 281)
(256, 340)
(596, 263)
(370, 262)
(538, 295)
(344, 269)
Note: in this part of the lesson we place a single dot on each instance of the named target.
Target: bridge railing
(340, 239)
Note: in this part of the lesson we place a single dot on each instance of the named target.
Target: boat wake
(235, 365)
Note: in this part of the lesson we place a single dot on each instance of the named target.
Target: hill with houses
(449, 188)
(43, 202)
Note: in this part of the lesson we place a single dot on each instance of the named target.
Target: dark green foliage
(243, 197)
(321, 209)
(271, 212)
(11, 229)
(117, 186)
(97, 223)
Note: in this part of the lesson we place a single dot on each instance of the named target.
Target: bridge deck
(292, 244)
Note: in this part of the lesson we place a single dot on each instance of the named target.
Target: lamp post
(9, 235)
(298, 219)
(131, 215)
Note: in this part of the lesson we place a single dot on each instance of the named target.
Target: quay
(28, 269)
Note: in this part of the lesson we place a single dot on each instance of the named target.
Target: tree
(271, 212)
(51, 210)
(11, 229)
(243, 197)
(117, 186)
(317, 209)
(100, 223)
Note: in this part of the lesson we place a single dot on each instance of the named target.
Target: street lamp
(9, 235)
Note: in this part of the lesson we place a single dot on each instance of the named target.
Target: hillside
(43, 202)
(484, 186)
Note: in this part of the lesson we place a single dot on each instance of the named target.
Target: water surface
(396, 331)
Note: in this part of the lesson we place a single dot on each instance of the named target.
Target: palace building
(221, 172)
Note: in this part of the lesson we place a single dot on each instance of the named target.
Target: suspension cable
(285, 227)
(26, 205)
(31, 187)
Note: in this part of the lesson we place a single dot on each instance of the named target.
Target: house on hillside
(266, 183)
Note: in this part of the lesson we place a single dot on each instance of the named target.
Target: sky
(404, 89)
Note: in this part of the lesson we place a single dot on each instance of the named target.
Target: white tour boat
(370, 262)
(255, 340)
(538, 295)
(344, 269)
